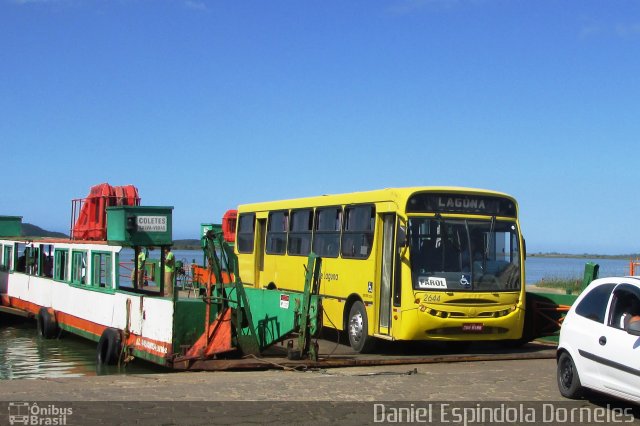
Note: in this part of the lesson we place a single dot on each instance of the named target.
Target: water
(571, 268)
(24, 355)
(536, 267)
(187, 257)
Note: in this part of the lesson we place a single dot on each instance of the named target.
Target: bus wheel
(47, 325)
(359, 338)
(109, 347)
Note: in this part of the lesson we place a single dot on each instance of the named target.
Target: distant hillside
(585, 255)
(187, 244)
(29, 230)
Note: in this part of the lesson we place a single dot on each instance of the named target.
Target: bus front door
(386, 273)
(261, 234)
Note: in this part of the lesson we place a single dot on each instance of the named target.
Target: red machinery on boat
(229, 225)
(89, 215)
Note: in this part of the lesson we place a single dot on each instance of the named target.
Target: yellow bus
(423, 263)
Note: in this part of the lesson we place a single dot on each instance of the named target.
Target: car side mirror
(634, 328)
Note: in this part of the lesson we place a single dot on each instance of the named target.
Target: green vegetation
(189, 244)
(586, 255)
(569, 284)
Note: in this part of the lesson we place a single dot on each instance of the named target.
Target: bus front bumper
(433, 324)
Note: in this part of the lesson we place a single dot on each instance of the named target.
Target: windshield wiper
(491, 235)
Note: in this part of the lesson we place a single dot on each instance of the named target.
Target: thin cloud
(195, 5)
(191, 4)
(590, 30)
(594, 28)
(628, 30)
(23, 2)
(407, 7)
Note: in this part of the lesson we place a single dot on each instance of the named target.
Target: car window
(594, 304)
(625, 305)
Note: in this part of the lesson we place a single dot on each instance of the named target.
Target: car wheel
(568, 379)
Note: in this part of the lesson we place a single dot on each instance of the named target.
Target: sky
(204, 105)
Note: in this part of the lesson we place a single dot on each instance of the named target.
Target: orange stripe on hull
(79, 323)
(150, 346)
(22, 304)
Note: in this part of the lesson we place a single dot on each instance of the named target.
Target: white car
(599, 347)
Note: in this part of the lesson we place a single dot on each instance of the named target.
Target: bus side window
(357, 235)
(326, 237)
(300, 231)
(246, 234)
(277, 232)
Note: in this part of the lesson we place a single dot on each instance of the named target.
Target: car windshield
(464, 255)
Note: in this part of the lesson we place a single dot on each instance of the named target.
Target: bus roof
(396, 195)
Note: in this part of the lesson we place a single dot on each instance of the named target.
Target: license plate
(472, 328)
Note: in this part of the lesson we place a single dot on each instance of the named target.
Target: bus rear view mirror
(402, 236)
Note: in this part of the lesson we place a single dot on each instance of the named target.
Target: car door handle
(602, 341)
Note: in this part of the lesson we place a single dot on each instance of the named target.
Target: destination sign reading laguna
(461, 203)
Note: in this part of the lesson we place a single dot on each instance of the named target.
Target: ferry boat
(90, 285)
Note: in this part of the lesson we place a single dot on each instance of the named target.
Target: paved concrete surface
(347, 395)
(532, 380)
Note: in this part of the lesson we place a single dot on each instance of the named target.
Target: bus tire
(358, 328)
(47, 324)
(109, 347)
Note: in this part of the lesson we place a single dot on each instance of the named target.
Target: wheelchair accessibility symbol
(464, 281)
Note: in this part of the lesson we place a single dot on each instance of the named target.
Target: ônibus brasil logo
(31, 413)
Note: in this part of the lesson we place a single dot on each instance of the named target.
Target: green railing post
(590, 273)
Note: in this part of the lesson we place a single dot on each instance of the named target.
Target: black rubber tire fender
(47, 324)
(109, 347)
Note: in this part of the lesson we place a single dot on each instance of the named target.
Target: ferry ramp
(335, 353)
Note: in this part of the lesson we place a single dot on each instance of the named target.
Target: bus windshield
(464, 255)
